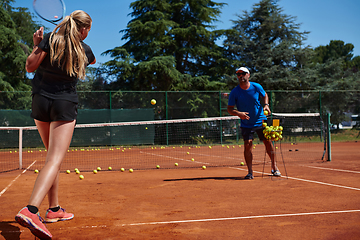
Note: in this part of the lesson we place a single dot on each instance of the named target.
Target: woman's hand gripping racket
(52, 11)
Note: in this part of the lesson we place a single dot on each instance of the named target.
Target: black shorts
(48, 110)
(248, 133)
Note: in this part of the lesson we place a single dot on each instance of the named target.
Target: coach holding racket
(60, 59)
(247, 97)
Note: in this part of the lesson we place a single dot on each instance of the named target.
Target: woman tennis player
(60, 59)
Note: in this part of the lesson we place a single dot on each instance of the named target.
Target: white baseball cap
(243, 69)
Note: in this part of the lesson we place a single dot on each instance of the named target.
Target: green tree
(334, 50)
(170, 46)
(270, 44)
(16, 28)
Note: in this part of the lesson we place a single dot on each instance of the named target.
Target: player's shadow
(9, 231)
(205, 178)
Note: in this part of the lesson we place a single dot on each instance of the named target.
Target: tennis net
(183, 143)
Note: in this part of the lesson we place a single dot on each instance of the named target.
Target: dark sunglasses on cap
(241, 73)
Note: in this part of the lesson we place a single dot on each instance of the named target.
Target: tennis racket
(52, 11)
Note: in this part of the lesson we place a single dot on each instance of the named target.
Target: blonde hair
(66, 50)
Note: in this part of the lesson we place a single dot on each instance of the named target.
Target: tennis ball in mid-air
(176, 164)
(204, 167)
(36, 171)
(81, 177)
(157, 166)
(110, 168)
(266, 112)
(122, 169)
(131, 170)
(95, 171)
(153, 101)
(68, 171)
(242, 164)
(98, 168)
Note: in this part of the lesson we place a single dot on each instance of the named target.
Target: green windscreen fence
(100, 136)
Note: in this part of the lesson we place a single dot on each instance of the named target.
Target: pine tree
(169, 46)
(269, 43)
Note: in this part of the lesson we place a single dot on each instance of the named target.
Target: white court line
(182, 159)
(332, 169)
(239, 218)
(7, 187)
(310, 181)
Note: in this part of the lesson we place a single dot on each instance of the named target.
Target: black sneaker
(249, 176)
(276, 173)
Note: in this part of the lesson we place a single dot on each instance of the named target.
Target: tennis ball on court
(81, 177)
(131, 170)
(192, 159)
(110, 168)
(204, 167)
(188, 153)
(157, 166)
(242, 164)
(95, 171)
(266, 112)
(210, 147)
(98, 168)
(122, 169)
(153, 101)
(77, 172)
(68, 171)
(76, 169)
(36, 171)
(176, 164)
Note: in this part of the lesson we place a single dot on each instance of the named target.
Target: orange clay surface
(314, 199)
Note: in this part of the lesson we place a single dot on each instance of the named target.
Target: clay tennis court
(316, 200)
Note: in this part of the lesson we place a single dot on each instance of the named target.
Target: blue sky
(325, 19)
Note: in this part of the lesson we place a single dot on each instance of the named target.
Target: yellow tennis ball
(76, 169)
(95, 171)
(242, 164)
(153, 101)
(131, 170)
(68, 171)
(266, 112)
(176, 164)
(204, 167)
(81, 177)
(192, 159)
(99, 168)
(110, 168)
(36, 171)
(122, 169)
(157, 166)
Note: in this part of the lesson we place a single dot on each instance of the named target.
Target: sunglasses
(241, 73)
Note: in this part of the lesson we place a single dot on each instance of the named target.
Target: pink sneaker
(60, 215)
(34, 222)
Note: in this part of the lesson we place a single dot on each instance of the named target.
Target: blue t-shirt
(249, 101)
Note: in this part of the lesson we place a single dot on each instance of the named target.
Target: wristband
(266, 104)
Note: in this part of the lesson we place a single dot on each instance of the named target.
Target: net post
(221, 132)
(328, 137)
(166, 117)
(20, 147)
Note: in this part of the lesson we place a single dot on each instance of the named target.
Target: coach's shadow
(9, 231)
(205, 178)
